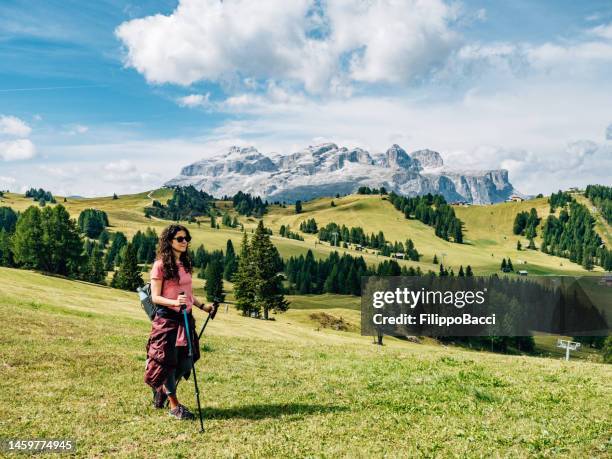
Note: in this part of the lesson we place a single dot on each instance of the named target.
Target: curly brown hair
(166, 255)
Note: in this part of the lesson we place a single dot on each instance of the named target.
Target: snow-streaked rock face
(325, 170)
(427, 159)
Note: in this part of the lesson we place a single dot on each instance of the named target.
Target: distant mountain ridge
(325, 170)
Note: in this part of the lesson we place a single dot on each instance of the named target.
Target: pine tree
(199, 260)
(509, 266)
(115, 196)
(531, 244)
(115, 280)
(92, 222)
(587, 261)
(518, 245)
(6, 253)
(62, 241)
(129, 277)
(468, 271)
(112, 255)
(214, 281)
(461, 273)
(213, 221)
(435, 260)
(503, 265)
(27, 243)
(298, 206)
(243, 279)
(8, 219)
(230, 262)
(103, 239)
(331, 283)
(267, 281)
(96, 272)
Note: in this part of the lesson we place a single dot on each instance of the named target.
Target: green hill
(72, 361)
(487, 229)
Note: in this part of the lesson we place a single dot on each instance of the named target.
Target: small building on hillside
(515, 198)
(399, 255)
(522, 272)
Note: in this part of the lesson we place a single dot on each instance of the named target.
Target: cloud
(121, 166)
(195, 100)
(14, 145)
(6, 182)
(14, 127)
(124, 171)
(19, 149)
(77, 129)
(318, 45)
(609, 132)
(603, 31)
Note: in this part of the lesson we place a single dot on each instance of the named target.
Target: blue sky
(108, 96)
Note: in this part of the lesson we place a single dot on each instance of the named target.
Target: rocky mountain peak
(427, 159)
(396, 156)
(326, 169)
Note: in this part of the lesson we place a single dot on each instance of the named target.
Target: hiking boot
(181, 412)
(159, 398)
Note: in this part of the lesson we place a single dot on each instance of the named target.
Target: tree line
(601, 197)
(309, 226)
(559, 199)
(248, 205)
(368, 190)
(336, 234)
(340, 274)
(285, 231)
(49, 240)
(525, 223)
(433, 211)
(40, 195)
(572, 235)
(186, 203)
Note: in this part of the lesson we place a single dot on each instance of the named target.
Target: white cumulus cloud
(121, 166)
(322, 46)
(13, 126)
(194, 100)
(14, 144)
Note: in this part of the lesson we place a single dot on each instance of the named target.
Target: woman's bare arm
(156, 287)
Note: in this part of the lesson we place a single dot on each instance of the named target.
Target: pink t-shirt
(171, 287)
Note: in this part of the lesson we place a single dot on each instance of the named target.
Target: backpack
(146, 301)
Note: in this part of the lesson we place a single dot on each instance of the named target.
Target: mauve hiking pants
(183, 366)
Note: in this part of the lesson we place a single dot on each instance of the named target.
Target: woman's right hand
(181, 299)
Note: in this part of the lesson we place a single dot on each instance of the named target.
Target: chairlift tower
(568, 346)
(335, 234)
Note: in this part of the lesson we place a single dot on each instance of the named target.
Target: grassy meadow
(487, 230)
(72, 356)
(72, 360)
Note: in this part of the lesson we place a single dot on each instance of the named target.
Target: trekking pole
(195, 379)
(211, 315)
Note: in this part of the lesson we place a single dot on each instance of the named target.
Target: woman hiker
(167, 351)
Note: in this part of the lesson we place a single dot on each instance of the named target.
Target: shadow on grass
(273, 410)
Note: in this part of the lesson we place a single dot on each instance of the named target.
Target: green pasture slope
(488, 229)
(72, 358)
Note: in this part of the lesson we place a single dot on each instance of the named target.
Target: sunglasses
(183, 239)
